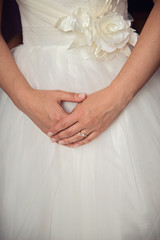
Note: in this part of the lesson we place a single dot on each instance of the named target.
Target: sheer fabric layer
(107, 189)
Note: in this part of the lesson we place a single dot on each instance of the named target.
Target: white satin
(105, 190)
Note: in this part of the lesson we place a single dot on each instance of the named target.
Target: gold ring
(83, 134)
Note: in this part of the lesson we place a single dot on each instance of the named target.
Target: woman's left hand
(89, 118)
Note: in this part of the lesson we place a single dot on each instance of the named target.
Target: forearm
(12, 80)
(144, 60)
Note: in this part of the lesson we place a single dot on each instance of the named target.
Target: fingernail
(61, 142)
(49, 134)
(53, 140)
(82, 95)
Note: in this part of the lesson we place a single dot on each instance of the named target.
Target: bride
(75, 81)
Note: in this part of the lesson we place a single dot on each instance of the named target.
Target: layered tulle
(107, 189)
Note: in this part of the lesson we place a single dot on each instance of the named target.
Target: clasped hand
(44, 107)
(88, 119)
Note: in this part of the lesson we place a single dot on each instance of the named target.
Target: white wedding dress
(108, 189)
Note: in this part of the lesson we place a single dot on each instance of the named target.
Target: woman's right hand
(44, 107)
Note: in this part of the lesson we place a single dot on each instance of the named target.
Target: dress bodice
(101, 24)
(42, 12)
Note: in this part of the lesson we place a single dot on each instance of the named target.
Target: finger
(72, 97)
(76, 138)
(57, 115)
(84, 141)
(60, 113)
(65, 123)
(54, 118)
(69, 132)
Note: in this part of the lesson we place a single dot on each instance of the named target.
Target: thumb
(73, 97)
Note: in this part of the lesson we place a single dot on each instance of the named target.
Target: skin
(41, 106)
(95, 113)
(15, 41)
(100, 109)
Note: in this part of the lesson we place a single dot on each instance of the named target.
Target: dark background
(11, 25)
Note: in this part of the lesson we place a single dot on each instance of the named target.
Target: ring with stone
(83, 134)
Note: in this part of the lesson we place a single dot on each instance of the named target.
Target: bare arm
(144, 60)
(42, 107)
(11, 79)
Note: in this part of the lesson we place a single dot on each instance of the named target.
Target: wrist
(121, 92)
(22, 96)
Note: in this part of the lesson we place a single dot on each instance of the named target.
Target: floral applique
(104, 30)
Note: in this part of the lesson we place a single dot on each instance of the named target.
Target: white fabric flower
(79, 22)
(105, 31)
(112, 33)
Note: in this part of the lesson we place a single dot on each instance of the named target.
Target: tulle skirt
(105, 190)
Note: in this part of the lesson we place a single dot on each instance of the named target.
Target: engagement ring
(83, 134)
